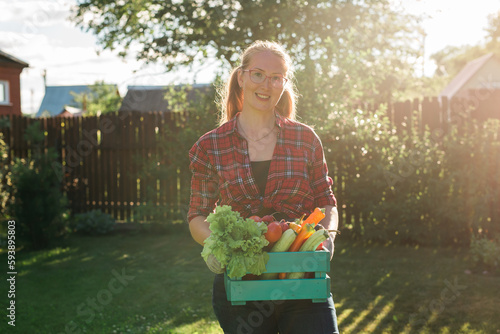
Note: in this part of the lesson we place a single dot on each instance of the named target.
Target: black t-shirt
(260, 170)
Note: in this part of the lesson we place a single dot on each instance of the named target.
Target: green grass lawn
(145, 283)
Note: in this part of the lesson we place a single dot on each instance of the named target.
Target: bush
(4, 194)
(94, 222)
(485, 253)
(36, 200)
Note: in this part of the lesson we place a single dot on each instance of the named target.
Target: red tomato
(284, 226)
(268, 219)
(256, 218)
(274, 232)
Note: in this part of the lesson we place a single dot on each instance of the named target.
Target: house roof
(469, 70)
(11, 61)
(152, 98)
(72, 111)
(58, 97)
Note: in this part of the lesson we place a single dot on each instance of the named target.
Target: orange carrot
(282, 276)
(305, 233)
(315, 217)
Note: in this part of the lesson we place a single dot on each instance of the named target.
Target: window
(4, 92)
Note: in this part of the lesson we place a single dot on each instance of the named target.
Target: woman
(261, 161)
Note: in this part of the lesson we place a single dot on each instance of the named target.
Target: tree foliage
(493, 29)
(451, 59)
(354, 49)
(103, 98)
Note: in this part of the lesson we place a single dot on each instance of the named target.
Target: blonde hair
(231, 94)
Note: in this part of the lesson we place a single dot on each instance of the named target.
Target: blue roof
(57, 97)
(152, 98)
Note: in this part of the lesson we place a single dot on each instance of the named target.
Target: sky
(39, 33)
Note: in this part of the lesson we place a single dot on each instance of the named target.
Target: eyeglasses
(257, 76)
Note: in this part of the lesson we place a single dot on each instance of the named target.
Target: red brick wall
(11, 75)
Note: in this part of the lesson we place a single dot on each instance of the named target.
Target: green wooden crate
(318, 288)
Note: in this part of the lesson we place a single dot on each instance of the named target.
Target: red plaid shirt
(298, 178)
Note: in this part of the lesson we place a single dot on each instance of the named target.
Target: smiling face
(262, 97)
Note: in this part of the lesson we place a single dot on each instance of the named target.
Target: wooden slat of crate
(317, 289)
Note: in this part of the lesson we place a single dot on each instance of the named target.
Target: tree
(103, 98)
(493, 29)
(361, 49)
(451, 59)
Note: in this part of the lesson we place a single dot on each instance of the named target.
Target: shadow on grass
(398, 289)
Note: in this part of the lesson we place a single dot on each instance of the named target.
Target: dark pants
(272, 317)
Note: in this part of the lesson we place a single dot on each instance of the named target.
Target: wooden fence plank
(149, 192)
(133, 153)
(97, 164)
(15, 137)
(162, 158)
(113, 130)
(142, 155)
(83, 176)
(104, 161)
(78, 151)
(402, 115)
(19, 140)
(431, 114)
(124, 163)
(109, 129)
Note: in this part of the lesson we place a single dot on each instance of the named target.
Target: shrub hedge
(411, 186)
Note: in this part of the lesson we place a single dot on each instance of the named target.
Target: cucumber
(281, 245)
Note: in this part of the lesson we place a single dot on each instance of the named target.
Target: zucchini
(310, 245)
(314, 240)
(285, 241)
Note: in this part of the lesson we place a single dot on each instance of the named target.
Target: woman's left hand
(329, 244)
(331, 223)
(214, 265)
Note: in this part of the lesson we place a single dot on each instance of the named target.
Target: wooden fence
(440, 113)
(101, 157)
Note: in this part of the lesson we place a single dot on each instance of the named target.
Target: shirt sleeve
(204, 183)
(321, 183)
